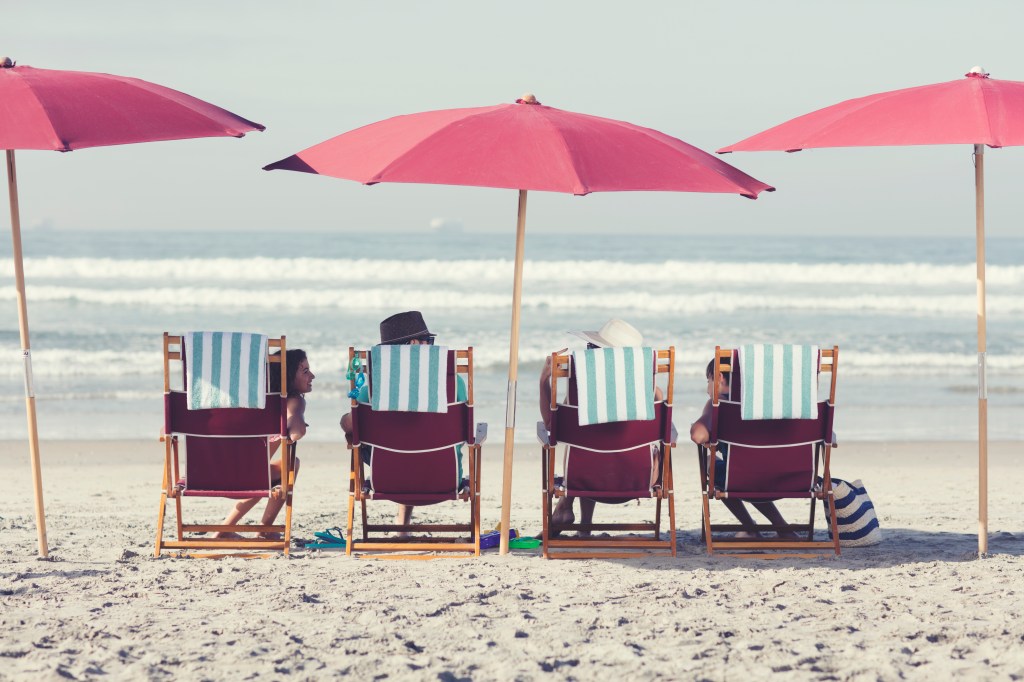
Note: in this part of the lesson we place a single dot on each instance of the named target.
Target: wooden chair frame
(614, 547)
(388, 547)
(172, 475)
(770, 547)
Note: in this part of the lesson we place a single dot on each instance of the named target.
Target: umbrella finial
(6, 62)
(527, 98)
(977, 72)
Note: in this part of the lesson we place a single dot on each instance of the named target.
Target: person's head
(297, 373)
(615, 333)
(405, 328)
(723, 380)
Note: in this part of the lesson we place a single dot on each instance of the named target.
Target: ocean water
(902, 311)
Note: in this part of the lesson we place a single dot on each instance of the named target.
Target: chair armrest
(542, 434)
(481, 434)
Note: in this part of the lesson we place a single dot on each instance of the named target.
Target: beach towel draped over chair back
(611, 461)
(223, 450)
(780, 381)
(614, 384)
(225, 370)
(415, 455)
(767, 457)
(409, 378)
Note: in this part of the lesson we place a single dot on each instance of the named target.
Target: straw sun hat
(615, 333)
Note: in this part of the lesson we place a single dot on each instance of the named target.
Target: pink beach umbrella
(68, 110)
(975, 110)
(523, 146)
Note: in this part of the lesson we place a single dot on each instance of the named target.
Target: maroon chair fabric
(225, 449)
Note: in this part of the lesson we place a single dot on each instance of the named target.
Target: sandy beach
(920, 605)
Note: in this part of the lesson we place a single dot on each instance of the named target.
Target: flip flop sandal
(332, 535)
(325, 545)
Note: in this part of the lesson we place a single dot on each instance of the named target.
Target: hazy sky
(710, 73)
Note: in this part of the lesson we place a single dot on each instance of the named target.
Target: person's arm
(545, 394)
(700, 430)
(296, 417)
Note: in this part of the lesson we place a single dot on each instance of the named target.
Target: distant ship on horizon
(446, 226)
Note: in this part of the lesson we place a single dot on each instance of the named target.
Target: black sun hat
(402, 327)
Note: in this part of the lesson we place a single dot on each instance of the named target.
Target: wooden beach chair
(414, 460)
(610, 463)
(769, 459)
(226, 454)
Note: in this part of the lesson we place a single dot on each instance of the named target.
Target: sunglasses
(426, 340)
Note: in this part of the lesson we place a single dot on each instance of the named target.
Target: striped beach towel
(615, 384)
(409, 378)
(780, 381)
(226, 369)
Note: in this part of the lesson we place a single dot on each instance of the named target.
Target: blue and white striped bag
(226, 369)
(855, 515)
(409, 378)
(615, 384)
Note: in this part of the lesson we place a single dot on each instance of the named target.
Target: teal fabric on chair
(409, 378)
(780, 381)
(226, 369)
(615, 384)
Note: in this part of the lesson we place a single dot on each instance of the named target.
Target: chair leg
(288, 521)
(177, 508)
(160, 523)
(671, 502)
(476, 502)
(161, 511)
(707, 524)
(810, 521)
(832, 521)
(546, 495)
(366, 534)
(657, 515)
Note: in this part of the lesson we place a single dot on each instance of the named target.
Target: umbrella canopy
(972, 110)
(513, 146)
(67, 110)
(975, 110)
(523, 146)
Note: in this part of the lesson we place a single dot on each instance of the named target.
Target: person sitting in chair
(406, 328)
(700, 433)
(615, 333)
(300, 382)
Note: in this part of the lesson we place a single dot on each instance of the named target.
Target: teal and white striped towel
(409, 378)
(780, 381)
(226, 369)
(615, 384)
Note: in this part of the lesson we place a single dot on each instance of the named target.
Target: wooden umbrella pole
(513, 374)
(26, 351)
(979, 209)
